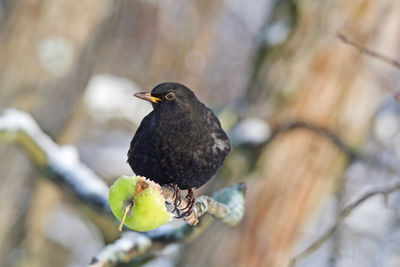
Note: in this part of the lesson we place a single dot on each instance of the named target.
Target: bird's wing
(219, 137)
(141, 133)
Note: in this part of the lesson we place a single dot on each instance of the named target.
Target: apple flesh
(147, 211)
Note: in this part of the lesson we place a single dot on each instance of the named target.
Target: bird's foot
(177, 197)
(189, 206)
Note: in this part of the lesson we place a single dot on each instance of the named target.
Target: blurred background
(262, 65)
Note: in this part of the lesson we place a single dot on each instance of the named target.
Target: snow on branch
(59, 162)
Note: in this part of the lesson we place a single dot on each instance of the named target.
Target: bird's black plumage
(181, 141)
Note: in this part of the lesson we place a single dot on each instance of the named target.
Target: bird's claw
(177, 197)
(175, 188)
(178, 200)
(189, 206)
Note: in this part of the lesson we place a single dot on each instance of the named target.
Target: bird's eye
(170, 96)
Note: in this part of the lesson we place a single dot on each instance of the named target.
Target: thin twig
(343, 214)
(335, 139)
(331, 136)
(368, 51)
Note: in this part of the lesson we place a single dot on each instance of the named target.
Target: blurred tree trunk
(45, 62)
(327, 83)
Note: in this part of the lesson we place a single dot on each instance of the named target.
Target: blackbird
(180, 142)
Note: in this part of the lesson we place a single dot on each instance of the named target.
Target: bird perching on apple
(180, 143)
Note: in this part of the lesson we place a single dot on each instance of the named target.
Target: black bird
(180, 142)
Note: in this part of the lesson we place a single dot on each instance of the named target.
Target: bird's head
(169, 95)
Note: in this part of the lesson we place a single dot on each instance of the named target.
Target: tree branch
(58, 162)
(129, 246)
(352, 153)
(226, 205)
(343, 214)
(368, 51)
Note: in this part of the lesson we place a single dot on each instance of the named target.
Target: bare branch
(335, 139)
(343, 214)
(369, 52)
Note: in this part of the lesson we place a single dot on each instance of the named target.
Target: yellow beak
(147, 96)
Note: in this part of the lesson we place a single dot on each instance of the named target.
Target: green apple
(138, 203)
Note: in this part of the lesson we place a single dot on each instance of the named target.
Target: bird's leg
(189, 206)
(191, 200)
